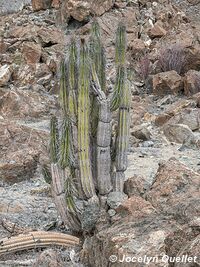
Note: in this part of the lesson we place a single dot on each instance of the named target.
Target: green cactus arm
(83, 123)
(54, 140)
(118, 88)
(97, 54)
(64, 145)
(120, 51)
(72, 72)
(120, 60)
(63, 87)
(122, 141)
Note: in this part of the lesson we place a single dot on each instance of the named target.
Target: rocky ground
(161, 213)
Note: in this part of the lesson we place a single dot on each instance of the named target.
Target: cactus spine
(84, 151)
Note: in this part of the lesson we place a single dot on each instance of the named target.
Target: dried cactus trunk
(37, 239)
(60, 174)
(66, 209)
(103, 148)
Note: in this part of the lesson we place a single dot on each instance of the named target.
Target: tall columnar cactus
(121, 99)
(81, 165)
(84, 123)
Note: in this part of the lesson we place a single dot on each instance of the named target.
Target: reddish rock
(168, 82)
(40, 4)
(135, 186)
(161, 119)
(49, 257)
(136, 207)
(56, 3)
(3, 46)
(157, 30)
(141, 132)
(126, 236)
(187, 116)
(25, 103)
(136, 46)
(176, 191)
(120, 3)
(192, 249)
(80, 10)
(179, 133)
(192, 82)
(20, 150)
(32, 73)
(51, 36)
(31, 52)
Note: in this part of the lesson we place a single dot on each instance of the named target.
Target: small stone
(111, 212)
(169, 82)
(179, 133)
(115, 199)
(5, 74)
(192, 82)
(40, 4)
(157, 30)
(31, 52)
(141, 132)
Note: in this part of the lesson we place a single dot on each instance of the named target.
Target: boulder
(136, 46)
(20, 150)
(135, 186)
(12, 6)
(169, 82)
(5, 74)
(31, 52)
(49, 257)
(136, 207)
(175, 191)
(115, 199)
(141, 132)
(20, 104)
(192, 82)
(40, 4)
(187, 116)
(137, 230)
(157, 30)
(56, 3)
(192, 249)
(31, 74)
(80, 10)
(161, 119)
(179, 133)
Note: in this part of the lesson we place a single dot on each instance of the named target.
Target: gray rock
(141, 132)
(111, 212)
(179, 133)
(115, 199)
(12, 6)
(5, 74)
(90, 214)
